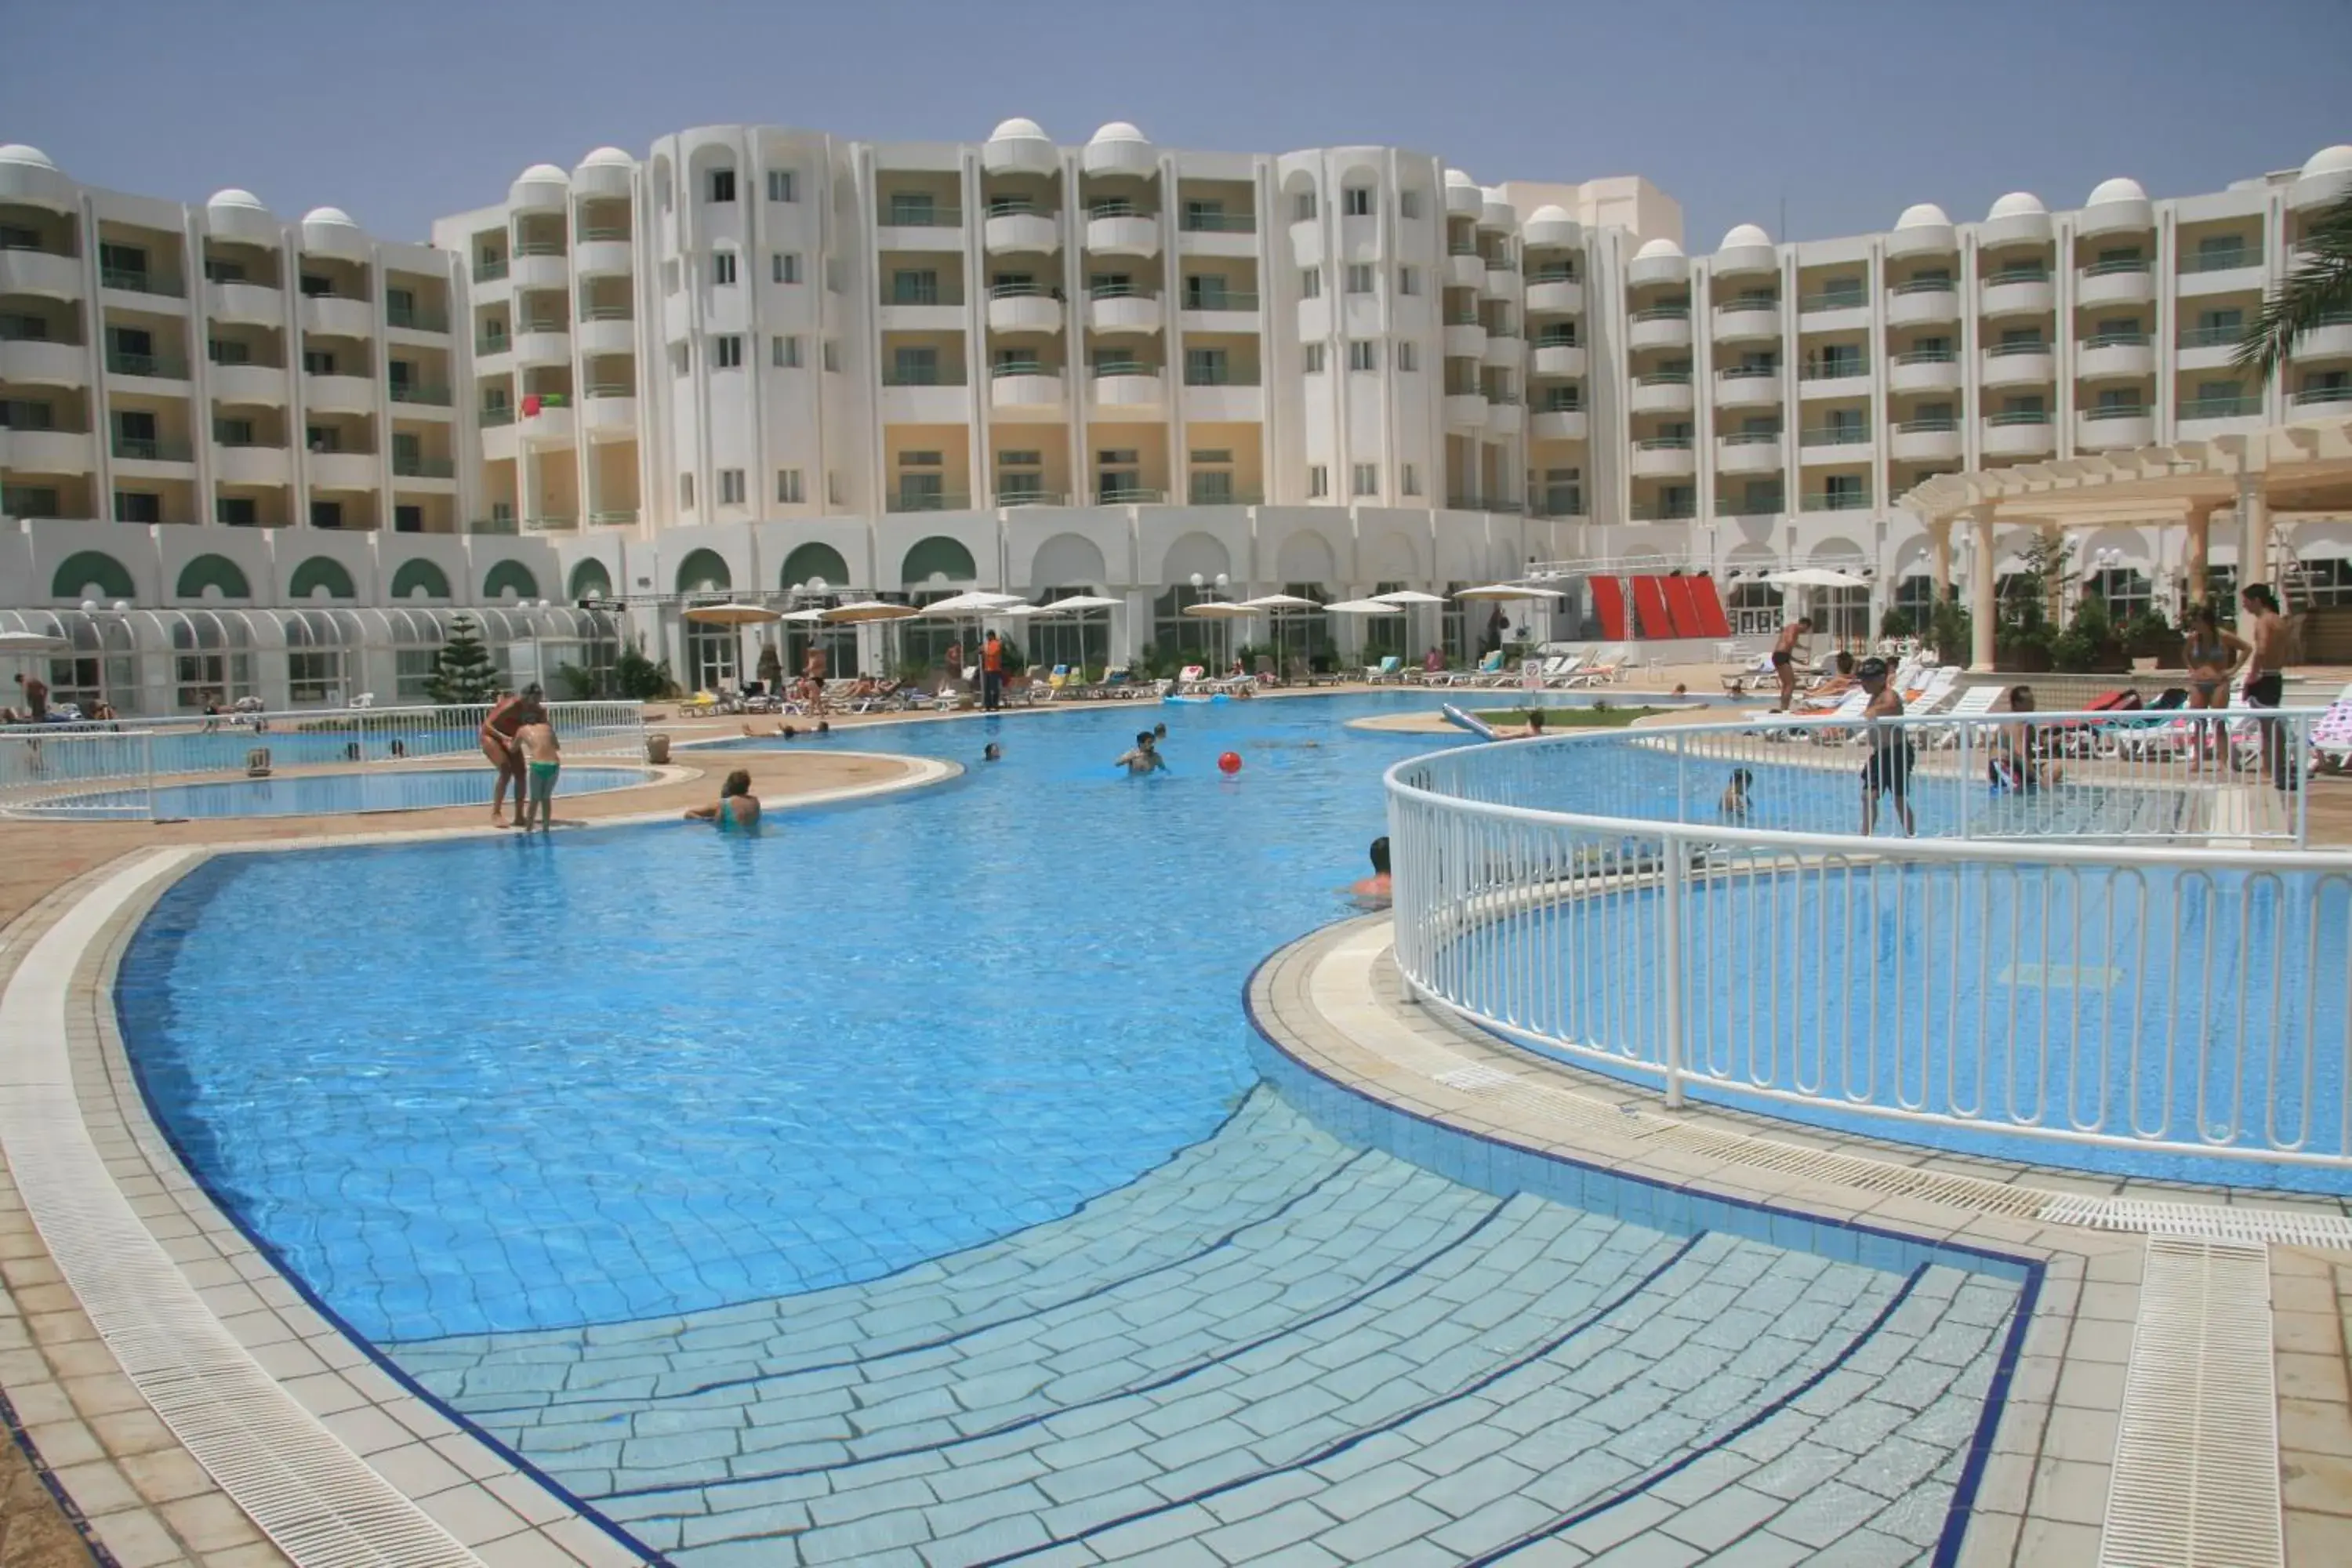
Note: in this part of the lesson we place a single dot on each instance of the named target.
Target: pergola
(2279, 475)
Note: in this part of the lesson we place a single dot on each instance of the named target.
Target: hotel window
(1356, 201)
(318, 361)
(784, 352)
(1360, 277)
(722, 185)
(785, 265)
(226, 432)
(722, 268)
(1314, 360)
(1839, 293)
(1408, 204)
(915, 287)
(832, 356)
(1310, 283)
(237, 511)
(1367, 480)
(2216, 251)
(685, 491)
(782, 186)
(1845, 491)
(911, 209)
(1319, 480)
(1363, 356)
(731, 486)
(727, 352)
(788, 486)
(1408, 279)
(1408, 356)
(1563, 492)
(1409, 483)
(1303, 209)
(222, 349)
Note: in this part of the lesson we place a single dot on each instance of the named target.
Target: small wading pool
(322, 794)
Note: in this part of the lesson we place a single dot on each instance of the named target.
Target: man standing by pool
(2267, 678)
(1889, 768)
(1784, 658)
(498, 739)
(991, 673)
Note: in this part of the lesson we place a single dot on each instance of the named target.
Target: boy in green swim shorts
(544, 760)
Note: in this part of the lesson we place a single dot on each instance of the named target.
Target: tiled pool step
(1303, 1345)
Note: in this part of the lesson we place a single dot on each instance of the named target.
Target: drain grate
(2209, 1222)
(2196, 1479)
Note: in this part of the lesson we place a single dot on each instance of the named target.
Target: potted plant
(2149, 636)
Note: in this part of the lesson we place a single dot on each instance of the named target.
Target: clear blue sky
(1849, 109)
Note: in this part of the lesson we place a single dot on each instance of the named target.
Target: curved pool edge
(1341, 1036)
(159, 1300)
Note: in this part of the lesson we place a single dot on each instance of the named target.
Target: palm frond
(2320, 285)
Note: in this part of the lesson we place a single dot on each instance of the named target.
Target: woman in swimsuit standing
(2213, 655)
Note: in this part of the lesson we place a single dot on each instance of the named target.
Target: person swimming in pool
(991, 753)
(736, 805)
(1735, 801)
(1377, 889)
(1144, 758)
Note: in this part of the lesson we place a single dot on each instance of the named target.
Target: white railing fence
(2059, 1002)
(41, 765)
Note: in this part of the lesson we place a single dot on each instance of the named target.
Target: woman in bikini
(2213, 655)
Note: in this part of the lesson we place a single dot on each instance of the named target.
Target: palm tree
(2319, 287)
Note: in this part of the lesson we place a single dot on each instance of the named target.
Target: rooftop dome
(233, 197)
(1923, 215)
(17, 153)
(1743, 235)
(1548, 213)
(1657, 247)
(542, 172)
(2116, 190)
(2017, 204)
(1119, 131)
(329, 216)
(1018, 130)
(1455, 180)
(606, 158)
(2335, 159)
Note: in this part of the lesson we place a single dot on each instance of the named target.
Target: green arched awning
(937, 556)
(704, 572)
(509, 574)
(417, 574)
(815, 560)
(321, 572)
(214, 572)
(88, 569)
(590, 581)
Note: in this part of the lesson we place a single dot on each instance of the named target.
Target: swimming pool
(902, 1176)
(307, 795)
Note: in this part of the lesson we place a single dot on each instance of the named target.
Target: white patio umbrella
(32, 642)
(1223, 610)
(1815, 577)
(859, 612)
(1364, 607)
(1280, 602)
(733, 615)
(1408, 596)
(1501, 593)
(1085, 602)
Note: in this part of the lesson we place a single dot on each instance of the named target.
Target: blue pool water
(655, 1071)
(401, 789)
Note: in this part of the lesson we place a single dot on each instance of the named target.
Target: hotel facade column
(2253, 531)
(2197, 529)
(1982, 581)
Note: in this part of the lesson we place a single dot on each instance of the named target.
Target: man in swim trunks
(991, 673)
(1144, 759)
(543, 759)
(2267, 678)
(1889, 768)
(499, 726)
(1784, 658)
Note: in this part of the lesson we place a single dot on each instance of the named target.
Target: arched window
(86, 570)
(212, 657)
(509, 577)
(590, 580)
(419, 576)
(704, 572)
(321, 572)
(937, 556)
(813, 562)
(213, 572)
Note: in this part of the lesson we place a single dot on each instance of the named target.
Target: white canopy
(1499, 591)
(1410, 596)
(1364, 607)
(976, 601)
(1085, 602)
(1815, 577)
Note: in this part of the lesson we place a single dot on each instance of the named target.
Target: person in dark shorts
(1784, 658)
(1888, 770)
(2266, 634)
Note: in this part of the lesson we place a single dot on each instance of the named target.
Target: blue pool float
(1197, 697)
(1470, 722)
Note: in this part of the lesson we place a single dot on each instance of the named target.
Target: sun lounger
(1388, 669)
(2331, 735)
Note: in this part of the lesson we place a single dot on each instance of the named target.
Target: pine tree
(462, 671)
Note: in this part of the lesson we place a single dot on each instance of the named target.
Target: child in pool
(1735, 800)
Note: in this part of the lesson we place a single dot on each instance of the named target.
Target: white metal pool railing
(1999, 776)
(37, 762)
(34, 763)
(2070, 995)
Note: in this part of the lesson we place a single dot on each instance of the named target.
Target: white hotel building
(757, 358)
